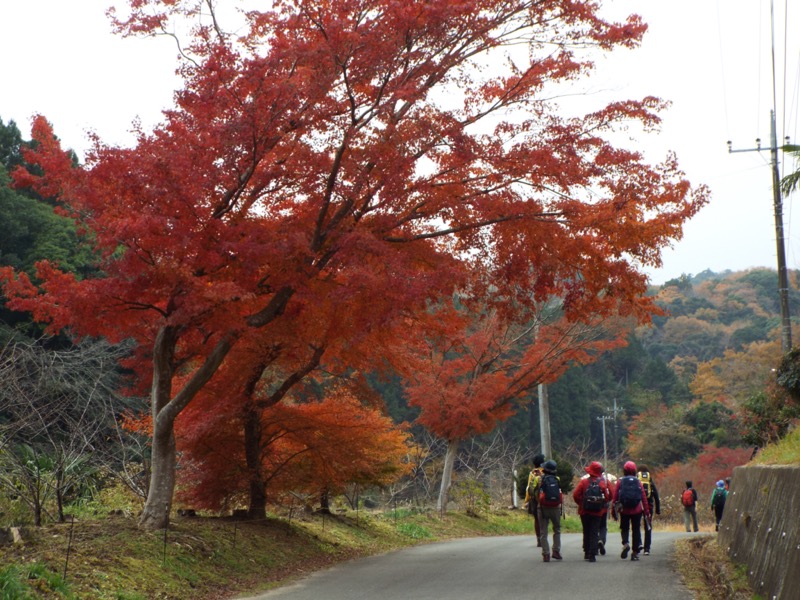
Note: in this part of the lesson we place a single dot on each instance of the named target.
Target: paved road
(502, 568)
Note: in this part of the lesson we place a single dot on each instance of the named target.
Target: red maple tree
(315, 447)
(339, 151)
(467, 379)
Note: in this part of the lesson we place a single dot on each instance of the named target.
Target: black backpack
(593, 498)
(630, 492)
(549, 491)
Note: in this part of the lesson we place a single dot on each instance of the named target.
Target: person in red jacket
(630, 503)
(592, 496)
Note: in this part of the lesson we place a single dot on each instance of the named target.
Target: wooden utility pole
(777, 204)
(544, 421)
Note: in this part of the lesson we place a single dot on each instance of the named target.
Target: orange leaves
(304, 447)
(467, 381)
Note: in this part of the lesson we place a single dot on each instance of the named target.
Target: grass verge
(204, 558)
(709, 573)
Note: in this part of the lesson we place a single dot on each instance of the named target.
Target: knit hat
(595, 469)
(720, 484)
(629, 468)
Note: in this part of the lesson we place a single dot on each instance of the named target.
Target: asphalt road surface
(505, 568)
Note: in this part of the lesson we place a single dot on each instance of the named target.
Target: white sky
(711, 58)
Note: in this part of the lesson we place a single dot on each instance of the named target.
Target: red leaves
(341, 167)
(466, 385)
(305, 447)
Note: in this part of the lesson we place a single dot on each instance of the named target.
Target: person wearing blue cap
(718, 501)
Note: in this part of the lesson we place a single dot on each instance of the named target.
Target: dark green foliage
(714, 423)
(30, 231)
(667, 447)
(10, 146)
(788, 374)
(756, 331)
(768, 417)
(390, 387)
(657, 376)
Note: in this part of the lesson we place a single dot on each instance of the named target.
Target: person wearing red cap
(592, 497)
(630, 503)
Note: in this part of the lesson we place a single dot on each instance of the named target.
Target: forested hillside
(702, 376)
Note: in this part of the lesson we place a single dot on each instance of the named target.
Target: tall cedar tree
(343, 145)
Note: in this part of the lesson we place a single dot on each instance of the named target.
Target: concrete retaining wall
(761, 528)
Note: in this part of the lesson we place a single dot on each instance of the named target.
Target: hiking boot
(557, 555)
(635, 556)
(592, 558)
(625, 549)
(546, 557)
(602, 548)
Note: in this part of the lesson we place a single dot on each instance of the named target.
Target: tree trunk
(165, 409)
(447, 475)
(325, 502)
(155, 514)
(162, 480)
(257, 505)
(60, 495)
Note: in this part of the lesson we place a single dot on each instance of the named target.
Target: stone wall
(760, 528)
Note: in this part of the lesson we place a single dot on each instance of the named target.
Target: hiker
(654, 504)
(602, 540)
(630, 503)
(718, 498)
(530, 497)
(592, 497)
(550, 501)
(689, 501)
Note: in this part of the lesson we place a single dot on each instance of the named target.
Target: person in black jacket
(646, 477)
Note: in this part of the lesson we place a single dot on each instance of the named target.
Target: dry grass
(708, 572)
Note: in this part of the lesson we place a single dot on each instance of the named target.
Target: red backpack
(687, 497)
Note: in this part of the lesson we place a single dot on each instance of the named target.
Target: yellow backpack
(647, 483)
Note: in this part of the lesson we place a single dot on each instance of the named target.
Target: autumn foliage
(711, 465)
(356, 160)
(307, 447)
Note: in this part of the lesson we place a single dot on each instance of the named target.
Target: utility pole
(605, 448)
(544, 421)
(777, 202)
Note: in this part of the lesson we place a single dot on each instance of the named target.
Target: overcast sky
(710, 58)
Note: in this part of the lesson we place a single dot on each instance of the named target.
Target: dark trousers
(603, 533)
(591, 533)
(718, 514)
(634, 523)
(648, 533)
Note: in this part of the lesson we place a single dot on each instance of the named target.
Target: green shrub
(471, 496)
